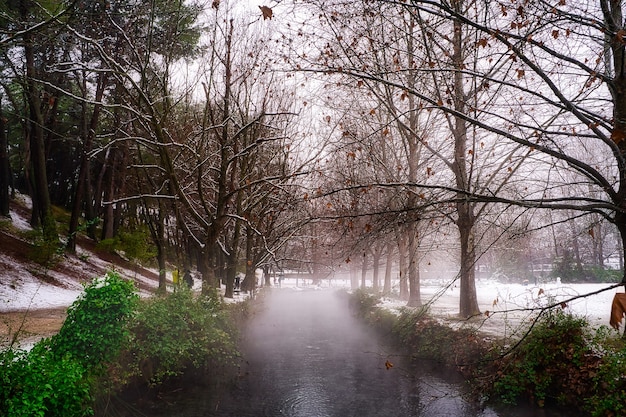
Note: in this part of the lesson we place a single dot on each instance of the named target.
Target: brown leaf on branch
(618, 135)
(267, 12)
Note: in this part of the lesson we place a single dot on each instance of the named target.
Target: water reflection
(306, 356)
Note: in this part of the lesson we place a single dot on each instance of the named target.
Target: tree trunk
(207, 268)
(598, 244)
(249, 281)
(364, 271)
(41, 196)
(620, 222)
(468, 303)
(161, 248)
(231, 272)
(89, 132)
(375, 268)
(109, 192)
(267, 276)
(415, 297)
(388, 265)
(4, 168)
(576, 249)
(402, 266)
(354, 277)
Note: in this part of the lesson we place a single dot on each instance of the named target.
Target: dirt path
(30, 325)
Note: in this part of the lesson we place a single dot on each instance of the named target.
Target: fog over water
(307, 356)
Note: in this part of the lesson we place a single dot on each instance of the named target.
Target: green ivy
(177, 332)
(541, 367)
(38, 384)
(94, 329)
(55, 378)
(609, 382)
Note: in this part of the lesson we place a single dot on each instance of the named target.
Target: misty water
(305, 355)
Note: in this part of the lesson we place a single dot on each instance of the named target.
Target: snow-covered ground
(28, 285)
(504, 307)
(23, 290)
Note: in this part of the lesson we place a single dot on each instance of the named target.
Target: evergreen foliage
(55, 377)
(176, 333)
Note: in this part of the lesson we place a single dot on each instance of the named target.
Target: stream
(307, 356)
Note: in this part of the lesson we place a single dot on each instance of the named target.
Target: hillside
(33, 298)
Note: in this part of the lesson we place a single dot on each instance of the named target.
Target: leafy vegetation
(111, 340)
(363, 302)
(608, 382)
(175, 333)
(55, 377)
(95, 328)
(550, 365)
(134, 244)
(560, 362)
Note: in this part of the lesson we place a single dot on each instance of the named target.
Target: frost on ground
(506, 308)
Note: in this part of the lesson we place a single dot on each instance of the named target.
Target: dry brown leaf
(266, 11)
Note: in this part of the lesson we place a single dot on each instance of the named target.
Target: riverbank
(556, 361)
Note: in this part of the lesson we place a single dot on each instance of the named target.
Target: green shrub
(135, 244)
(363, 301)
(94, 329)
(609, 381)
(549, 365)
(55, 377)
(43, 252)
(38, 384)
(605, 275)
(174, 333)
(406, 325)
